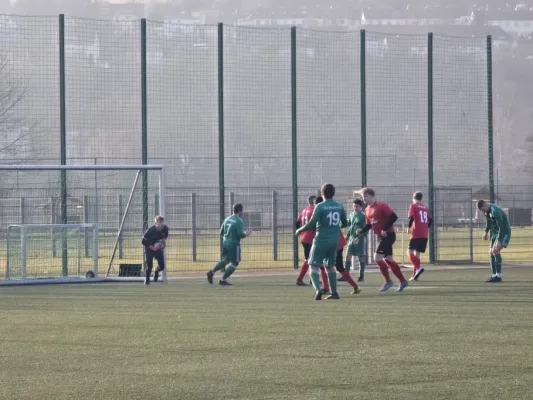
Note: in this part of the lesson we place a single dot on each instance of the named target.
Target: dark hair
(418, 196)
(319, 199)
(328, 191)
(359, 202)
(311, 200)
(480, 204)
(237, 208)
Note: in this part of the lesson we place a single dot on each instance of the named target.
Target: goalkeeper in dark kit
(154, 242)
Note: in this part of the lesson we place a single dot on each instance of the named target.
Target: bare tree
(14, 128)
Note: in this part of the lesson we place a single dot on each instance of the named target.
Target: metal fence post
(431, 188)
(63, 142)
(490, 120)
(221, 174)
(362, 71)
(274, 225)
(144, 124)
(193, 225)
(294, 145)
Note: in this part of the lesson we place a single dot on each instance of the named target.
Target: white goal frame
(112, 167)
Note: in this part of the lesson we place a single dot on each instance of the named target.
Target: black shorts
(385, 244)
(307, 250)
(418, 245)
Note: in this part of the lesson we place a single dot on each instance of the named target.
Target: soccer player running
(306, 238)
(356, 244)
(232, 231)
(328, 218)
(419, 223)
(154, 241)
(500, 234)
(381, 218)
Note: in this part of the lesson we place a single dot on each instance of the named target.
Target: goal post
(76, 213)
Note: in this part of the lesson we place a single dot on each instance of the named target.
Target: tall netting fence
(29, 90)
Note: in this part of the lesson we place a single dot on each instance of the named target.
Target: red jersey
(378, 215)
(420, 214)
(304, 218)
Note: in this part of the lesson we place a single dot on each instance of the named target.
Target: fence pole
(86, 220)
(120, 214)
(294, 141)
(22, 210)
(193, 225)
(490, 119)
(144, 124)
(275, 225)
(63, 142)
(362, 71)
(221, 174)
(431, 189)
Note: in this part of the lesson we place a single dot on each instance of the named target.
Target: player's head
(237, 209)
(159, 222)
(328, 191)
(358, 205)
(417, 197)
(319, 200)
(483, 206)
(311, 200)
(369, 195)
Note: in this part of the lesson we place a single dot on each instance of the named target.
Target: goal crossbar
(112, 167)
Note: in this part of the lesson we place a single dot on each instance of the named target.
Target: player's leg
(347, 264)
(379, 257)
(420, 249)
(498, 256)
(149, 264)
(159, 256)
(415, 261)
(324, 277)
(316, 259)
(305, 266)
(224, 260)
(345, 274)
(360, 253)
(234, 252)
(330, 262)
(493, 276)
(393, 265)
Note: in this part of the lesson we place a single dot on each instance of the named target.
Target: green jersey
(497, 222)
(355, 221)
(328, 218)
(232, 230)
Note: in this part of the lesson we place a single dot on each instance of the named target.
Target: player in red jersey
(381, 218)
(419, 223)
(306, 238)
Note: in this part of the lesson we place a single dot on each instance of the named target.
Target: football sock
(315, 279)
(498, 264)
(332, 276)
(349, 279)
(324, 276)
(227, 273)
(148, 273)
(383, 267)
(493, 264)
(415, 261)
(303, 271)
(348, 265)
(395, 268)
(361, 268)
(218, 267)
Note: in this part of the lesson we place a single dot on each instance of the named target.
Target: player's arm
(391, 215)
(147, 237)
(222, 229)
(312, 222)
(299, 221)
(500, 222)
(488, 223)
(344, 220)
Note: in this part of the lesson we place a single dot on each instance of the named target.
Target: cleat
(357, 291)
(333, 296)
(386, 286)
(402, 286)
(146, 282)
(341, 279)
(300, 283)
(494, 279)
(361, 280)
(224, 283)
(411, 279)
(418, 273)
(318, 295)
(210, 277)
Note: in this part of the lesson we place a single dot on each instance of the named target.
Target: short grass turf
(449, 336)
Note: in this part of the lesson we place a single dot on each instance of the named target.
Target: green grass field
(454, 245)
(450, 336)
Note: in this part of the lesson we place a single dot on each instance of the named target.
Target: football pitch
(449, 336)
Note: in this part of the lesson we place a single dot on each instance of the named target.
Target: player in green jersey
(356, 244)
(500, 234)
(232, 231)
(328, 218)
